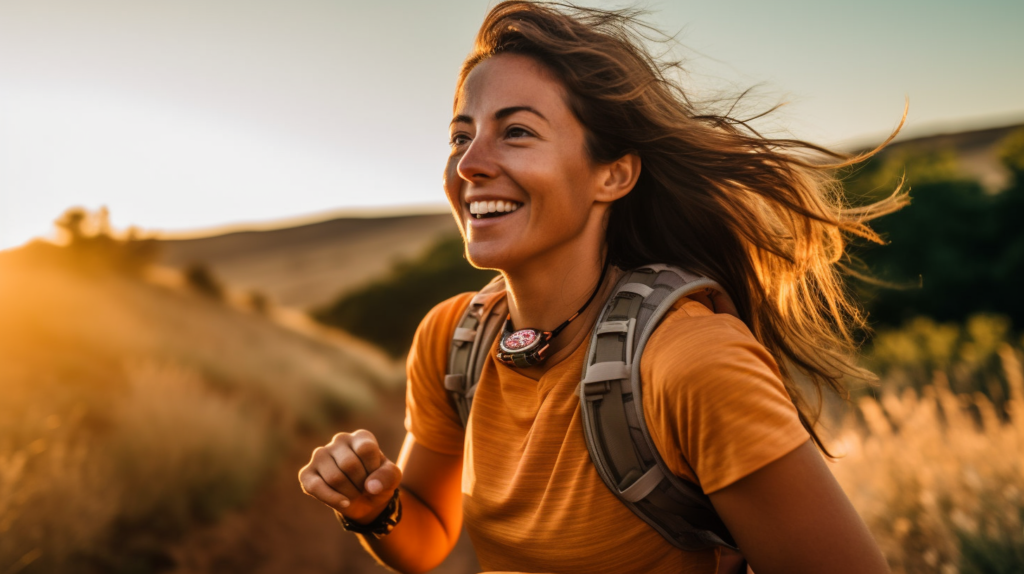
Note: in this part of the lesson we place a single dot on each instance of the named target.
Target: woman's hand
(345, 474)
(351, 475)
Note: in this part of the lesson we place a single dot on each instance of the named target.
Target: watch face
(520, 341)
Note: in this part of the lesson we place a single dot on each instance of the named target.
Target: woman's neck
(551, 289)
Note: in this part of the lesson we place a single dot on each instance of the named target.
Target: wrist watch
(382, 525)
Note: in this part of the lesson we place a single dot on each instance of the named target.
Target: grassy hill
(975, 153)
(309, 265)
(130, 411)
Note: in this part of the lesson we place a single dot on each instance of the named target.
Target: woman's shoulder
(690, 321)
(714, 395)
(707, 349)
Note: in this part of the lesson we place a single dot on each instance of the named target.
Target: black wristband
(382, 525)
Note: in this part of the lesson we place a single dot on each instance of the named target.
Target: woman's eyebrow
(500, 114)
(505, 112)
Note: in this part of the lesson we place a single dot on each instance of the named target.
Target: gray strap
(610, 371)
(643, 486)
(638, 288)
(454, 383)
(614, 327)
(473, 336)
(612, 410)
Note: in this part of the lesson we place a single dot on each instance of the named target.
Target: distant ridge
(310, 264)
(976, 152)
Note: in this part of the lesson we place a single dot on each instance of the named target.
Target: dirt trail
(285, 531)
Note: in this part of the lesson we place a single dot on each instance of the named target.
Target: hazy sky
(192, 114)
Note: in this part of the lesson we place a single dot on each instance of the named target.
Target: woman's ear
(618, 177)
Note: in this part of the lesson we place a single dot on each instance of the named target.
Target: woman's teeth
(485, 208)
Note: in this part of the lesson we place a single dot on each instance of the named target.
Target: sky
(188, 116)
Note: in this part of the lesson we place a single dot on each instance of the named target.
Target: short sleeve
(714, 399)
(429, 414)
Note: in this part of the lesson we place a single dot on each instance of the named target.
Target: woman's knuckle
(309, 483)
(350, 465)
(367, 450)
(336, 480)
(364, 434)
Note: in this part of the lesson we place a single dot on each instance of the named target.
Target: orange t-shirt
(533, 502)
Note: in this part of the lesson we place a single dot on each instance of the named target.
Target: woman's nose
(478, 163)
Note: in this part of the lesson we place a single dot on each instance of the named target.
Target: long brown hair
(764, 217)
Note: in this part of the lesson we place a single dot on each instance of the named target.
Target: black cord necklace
(528, 347)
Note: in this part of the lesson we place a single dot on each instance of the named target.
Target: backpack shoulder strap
(611, 396)
(474, 334)
(611, 402)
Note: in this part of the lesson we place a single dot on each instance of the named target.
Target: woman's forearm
(418, 543)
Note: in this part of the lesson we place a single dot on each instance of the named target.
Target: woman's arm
(430, 491)
(792, 517)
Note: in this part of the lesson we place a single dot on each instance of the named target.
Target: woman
(574, 159)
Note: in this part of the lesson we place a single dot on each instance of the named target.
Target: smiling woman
(582, 173)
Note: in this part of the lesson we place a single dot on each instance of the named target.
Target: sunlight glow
(156, 166)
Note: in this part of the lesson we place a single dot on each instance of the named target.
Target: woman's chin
(488, 255)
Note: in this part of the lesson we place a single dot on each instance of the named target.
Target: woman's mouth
(494, 208)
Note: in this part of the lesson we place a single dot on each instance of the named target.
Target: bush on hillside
(1012, 152)
(201, 279)
(955, 251)
(89, 243)
(387, 311)
(967, 354)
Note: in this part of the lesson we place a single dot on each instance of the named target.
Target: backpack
(610, 396)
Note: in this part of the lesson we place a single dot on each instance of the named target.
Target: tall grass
(939, 476)
(171, 452)
(129, 412)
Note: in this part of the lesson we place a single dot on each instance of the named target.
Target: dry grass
(130, 408)
(939, 477)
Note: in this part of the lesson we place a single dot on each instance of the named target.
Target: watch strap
(380, 526)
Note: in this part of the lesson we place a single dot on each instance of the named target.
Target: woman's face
(519, 179)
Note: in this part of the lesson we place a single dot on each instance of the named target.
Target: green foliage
(877, 177)
(967, 353)
(387, 312)
(955, 251)
(1012, 152)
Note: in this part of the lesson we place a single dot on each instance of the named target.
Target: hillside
(131, 411)
(976, 152)
(308, 265)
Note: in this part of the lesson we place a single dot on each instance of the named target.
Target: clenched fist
(352, 476)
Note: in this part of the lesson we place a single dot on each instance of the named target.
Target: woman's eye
(517, 133)
(458, 139)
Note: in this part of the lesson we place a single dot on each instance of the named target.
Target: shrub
(967, 354)
(89, 243)
(386, 312)
(200, 279)
(957, 250)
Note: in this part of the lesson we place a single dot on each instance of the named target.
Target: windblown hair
(766, 218)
